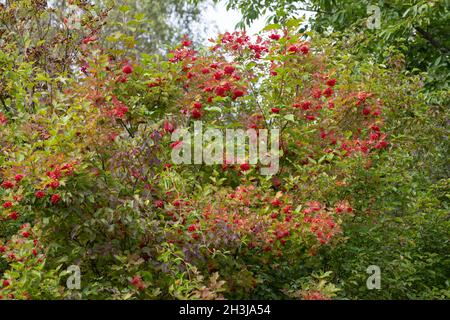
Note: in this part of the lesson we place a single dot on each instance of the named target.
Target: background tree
(155, 25)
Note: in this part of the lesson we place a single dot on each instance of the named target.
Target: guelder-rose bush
(87, 178)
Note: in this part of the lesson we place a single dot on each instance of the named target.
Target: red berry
(7, 185)
(3, 119)
(40, 194)
(173, 145)
(238, 93)
(196, 114)
(137, 282)
(122, 79)
(159, 204)
(229, 69)
(220, 91)
(218, 75)
(366, 111)
(197, 105)
(304, 49)
(168, 127)
(275, 110)
(377, 112)
(7, 204)
(6, 283)
(287, 209)
(275, 36)
(186, 43)
(381, 145)
(127, 69)
(25, 234)
(55, 198)
(306, 105)
(331, 82)
(276, 182)
(328, 92)
(88, 40)
(245, 166)
(293, 49)
(54, 184)
(276, 202)
(13, 215)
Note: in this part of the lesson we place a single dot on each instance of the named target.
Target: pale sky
(219, 20)
(227, 20)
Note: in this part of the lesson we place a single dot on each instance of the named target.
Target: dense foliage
(87, 179)
(417, 28)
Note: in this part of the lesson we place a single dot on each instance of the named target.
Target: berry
(7, 185)
(366, 111)
(40, 194)
(196, 114)
(304, 49)
(276, 202)
(245, 166)
(331, 82)
(229, 69)
(381, 145)
(306, 105)
(168, 127)
(293, 49)
(13, 215)
(55, 198)
(328, 92)
(238, 93)
(7, 204)
(54, 184)
(218, 75)
(275, 36)
(127, 69)
(186, 43)
(173, 145)
(159, 204)
(137, 282)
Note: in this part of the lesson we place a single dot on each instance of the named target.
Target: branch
(2, 100)
(435, 43)
(126, 128)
